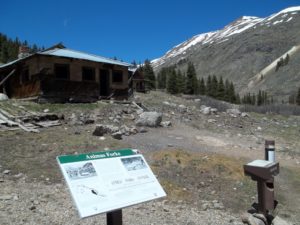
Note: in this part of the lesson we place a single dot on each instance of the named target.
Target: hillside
(242, 49)
(198, 158)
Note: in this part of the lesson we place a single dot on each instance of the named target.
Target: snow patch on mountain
(237, 27)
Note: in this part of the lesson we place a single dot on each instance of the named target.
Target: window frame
(61, 65)
(117, 79)
(93, 74)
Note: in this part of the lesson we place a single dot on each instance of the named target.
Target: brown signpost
(114, 218)
(263, 172)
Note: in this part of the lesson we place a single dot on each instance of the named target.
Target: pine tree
(227, 91)
(221, 90)
(209, 86)
(231, 93)
(191, 80)
(162, 78)
(259, 98)
(298, 97)
(202, 88)
(286, 59)
(214, 87)
(180, 82)
(172, 85)
(149, 75)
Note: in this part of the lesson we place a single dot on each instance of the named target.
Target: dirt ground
(198, 160)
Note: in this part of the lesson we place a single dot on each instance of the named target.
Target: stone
(3, 97)
(251, 220)
(150, 119)
(244, 114)
(197, 100)
(117, 135)
(6, 197)
(206, 111)
(101, 129)
(233, 112)
(279, 221)
(166, 123)
(214, 110)
(182, 108)
(143, 130)
(6, 172)
(211, 121)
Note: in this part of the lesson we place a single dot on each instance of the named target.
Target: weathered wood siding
(43, 82)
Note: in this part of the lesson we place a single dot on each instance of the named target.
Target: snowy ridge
(237, 27)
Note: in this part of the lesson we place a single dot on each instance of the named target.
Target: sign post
(106, 182)
(114, 218)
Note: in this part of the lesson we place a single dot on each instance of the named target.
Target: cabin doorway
(104, 82)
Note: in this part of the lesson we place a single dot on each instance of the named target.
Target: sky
(129, 30)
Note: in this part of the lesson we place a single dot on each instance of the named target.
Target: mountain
(248, 52)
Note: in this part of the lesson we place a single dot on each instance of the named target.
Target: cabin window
(62, 71)
(25, 75)
(88, 74)
(117, 76)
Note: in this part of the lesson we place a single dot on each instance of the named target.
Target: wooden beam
(8, 76)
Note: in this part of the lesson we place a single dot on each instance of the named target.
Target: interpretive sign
(106, 181)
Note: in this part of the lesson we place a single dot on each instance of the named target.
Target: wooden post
(114, 218)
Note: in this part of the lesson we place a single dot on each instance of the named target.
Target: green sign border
(95, 156)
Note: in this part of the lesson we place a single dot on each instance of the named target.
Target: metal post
(114, 218)
(270, 150)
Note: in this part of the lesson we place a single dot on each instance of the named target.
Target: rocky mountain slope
(242, 50)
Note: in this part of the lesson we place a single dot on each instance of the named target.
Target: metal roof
(69, 53)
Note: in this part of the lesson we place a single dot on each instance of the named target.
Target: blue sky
(131, 29)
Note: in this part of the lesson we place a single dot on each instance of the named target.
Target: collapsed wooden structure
(59, 74)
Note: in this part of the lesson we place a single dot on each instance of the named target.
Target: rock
(182, 108)
(234, 112)
(102, 138)
(166, 103)
(101, 129)
(6, 172)
(150, 119)
(218, 205)
(19, 175)
(117, 135)
(259, 128)
(143, 130)
(279, 221)
(33, 207)
(46, 110)
(6, 197)
(205, 110)
(166, 123)
(214, 110)
(251, 220)
(197, 100)
(211, 121)
(244, 114)
(205, 206)
(3, 97)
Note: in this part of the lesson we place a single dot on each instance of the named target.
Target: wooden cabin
(59, 74)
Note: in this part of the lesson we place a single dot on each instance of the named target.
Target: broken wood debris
(30, 122)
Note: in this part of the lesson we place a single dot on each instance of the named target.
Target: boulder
(117, 135)
(234, 112)
(150, 119)
(182, 108)
(101, 129)
(166, 123)
(205, 110)
(3, 97)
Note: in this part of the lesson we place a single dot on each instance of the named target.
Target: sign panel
(106, 181)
